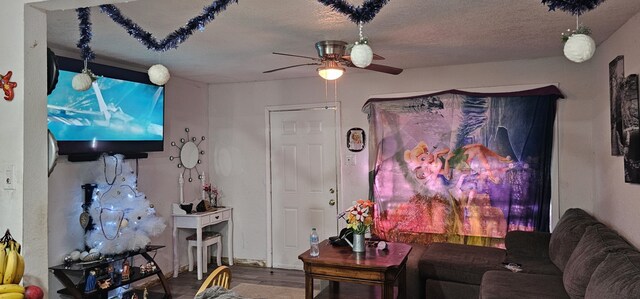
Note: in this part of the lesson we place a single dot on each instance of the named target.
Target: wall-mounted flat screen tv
(122, 112)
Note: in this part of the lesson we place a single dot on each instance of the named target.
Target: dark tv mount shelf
(96, 156)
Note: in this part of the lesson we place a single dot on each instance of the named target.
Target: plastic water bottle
(314, 240)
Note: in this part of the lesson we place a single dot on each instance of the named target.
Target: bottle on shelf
(314, 240)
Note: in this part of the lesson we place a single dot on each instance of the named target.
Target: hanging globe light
(579, 48)
(159, 74)
(83, 81)
(361, 52)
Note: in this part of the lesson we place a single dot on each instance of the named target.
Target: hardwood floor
(186, 284)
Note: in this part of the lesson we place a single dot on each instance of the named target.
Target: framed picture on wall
(630, 113)
(355, 139)
(616, 92)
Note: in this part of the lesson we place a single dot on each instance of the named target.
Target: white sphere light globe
(81, 82)
(159, 74)
(579, 48)
(361, 55)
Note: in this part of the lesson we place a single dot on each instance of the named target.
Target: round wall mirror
(189, 156)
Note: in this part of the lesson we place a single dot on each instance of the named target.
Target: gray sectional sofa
(582, 258)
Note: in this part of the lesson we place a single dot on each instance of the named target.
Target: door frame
(338, 128)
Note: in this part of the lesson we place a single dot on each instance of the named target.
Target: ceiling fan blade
(299, 56)
(380, 68)
(377, 57)
(288, 67)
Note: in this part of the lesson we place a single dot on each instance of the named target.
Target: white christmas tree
(123, 217)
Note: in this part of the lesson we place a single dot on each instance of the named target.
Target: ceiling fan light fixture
(330, 70)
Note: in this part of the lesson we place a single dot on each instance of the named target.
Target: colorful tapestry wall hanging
(461, 167)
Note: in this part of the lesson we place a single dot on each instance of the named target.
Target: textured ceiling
(237, 45)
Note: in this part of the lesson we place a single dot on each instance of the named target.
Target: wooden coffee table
(373, 267)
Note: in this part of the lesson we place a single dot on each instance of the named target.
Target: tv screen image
(118, 114)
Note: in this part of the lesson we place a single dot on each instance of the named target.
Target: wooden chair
(221, 276)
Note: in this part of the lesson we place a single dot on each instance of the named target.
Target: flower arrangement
(359, 216)
(212, 193)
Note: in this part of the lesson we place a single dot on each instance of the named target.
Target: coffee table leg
(334, 286)
(387, 290)
(402, 283)
(308, 286)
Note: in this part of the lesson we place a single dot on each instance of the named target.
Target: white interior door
(303, 181)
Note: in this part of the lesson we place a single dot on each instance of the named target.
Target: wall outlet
(350, 160)
(8, 177)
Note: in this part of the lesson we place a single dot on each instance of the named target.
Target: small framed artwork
(355, 139)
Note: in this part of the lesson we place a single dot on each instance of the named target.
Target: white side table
(198, 221)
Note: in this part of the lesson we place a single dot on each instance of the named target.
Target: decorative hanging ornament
(8, 86)
(159, 74)
(83, 81)
(574, 7)
(579, 46)
(84, 219)
(174, 39)
(361, 14)
(361, 53)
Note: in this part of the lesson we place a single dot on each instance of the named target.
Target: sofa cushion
(527, 244)
(531, 251)
(508, 285)
(567, 234)
(617, 277)
(535, 265)
(459, 263)
(597, 241)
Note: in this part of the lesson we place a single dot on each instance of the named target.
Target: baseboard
(247, 262)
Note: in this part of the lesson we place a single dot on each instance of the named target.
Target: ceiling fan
(332, 56)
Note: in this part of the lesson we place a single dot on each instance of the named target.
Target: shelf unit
(76, 289)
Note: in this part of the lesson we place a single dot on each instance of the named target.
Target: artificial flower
(359, 216)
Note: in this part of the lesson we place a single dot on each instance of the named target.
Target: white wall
(238, 133)
(186, 106)
(616, 202)
(11, 113)
(23, 210)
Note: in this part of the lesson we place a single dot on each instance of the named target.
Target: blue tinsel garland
(362, 14)
(85, 33)
(172, 41)
(575, 7)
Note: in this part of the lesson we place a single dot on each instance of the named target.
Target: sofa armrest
(531, 244)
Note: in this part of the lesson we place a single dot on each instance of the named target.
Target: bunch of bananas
(11, 268)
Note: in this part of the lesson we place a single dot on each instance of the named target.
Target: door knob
(332, 202)
(332, 191)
